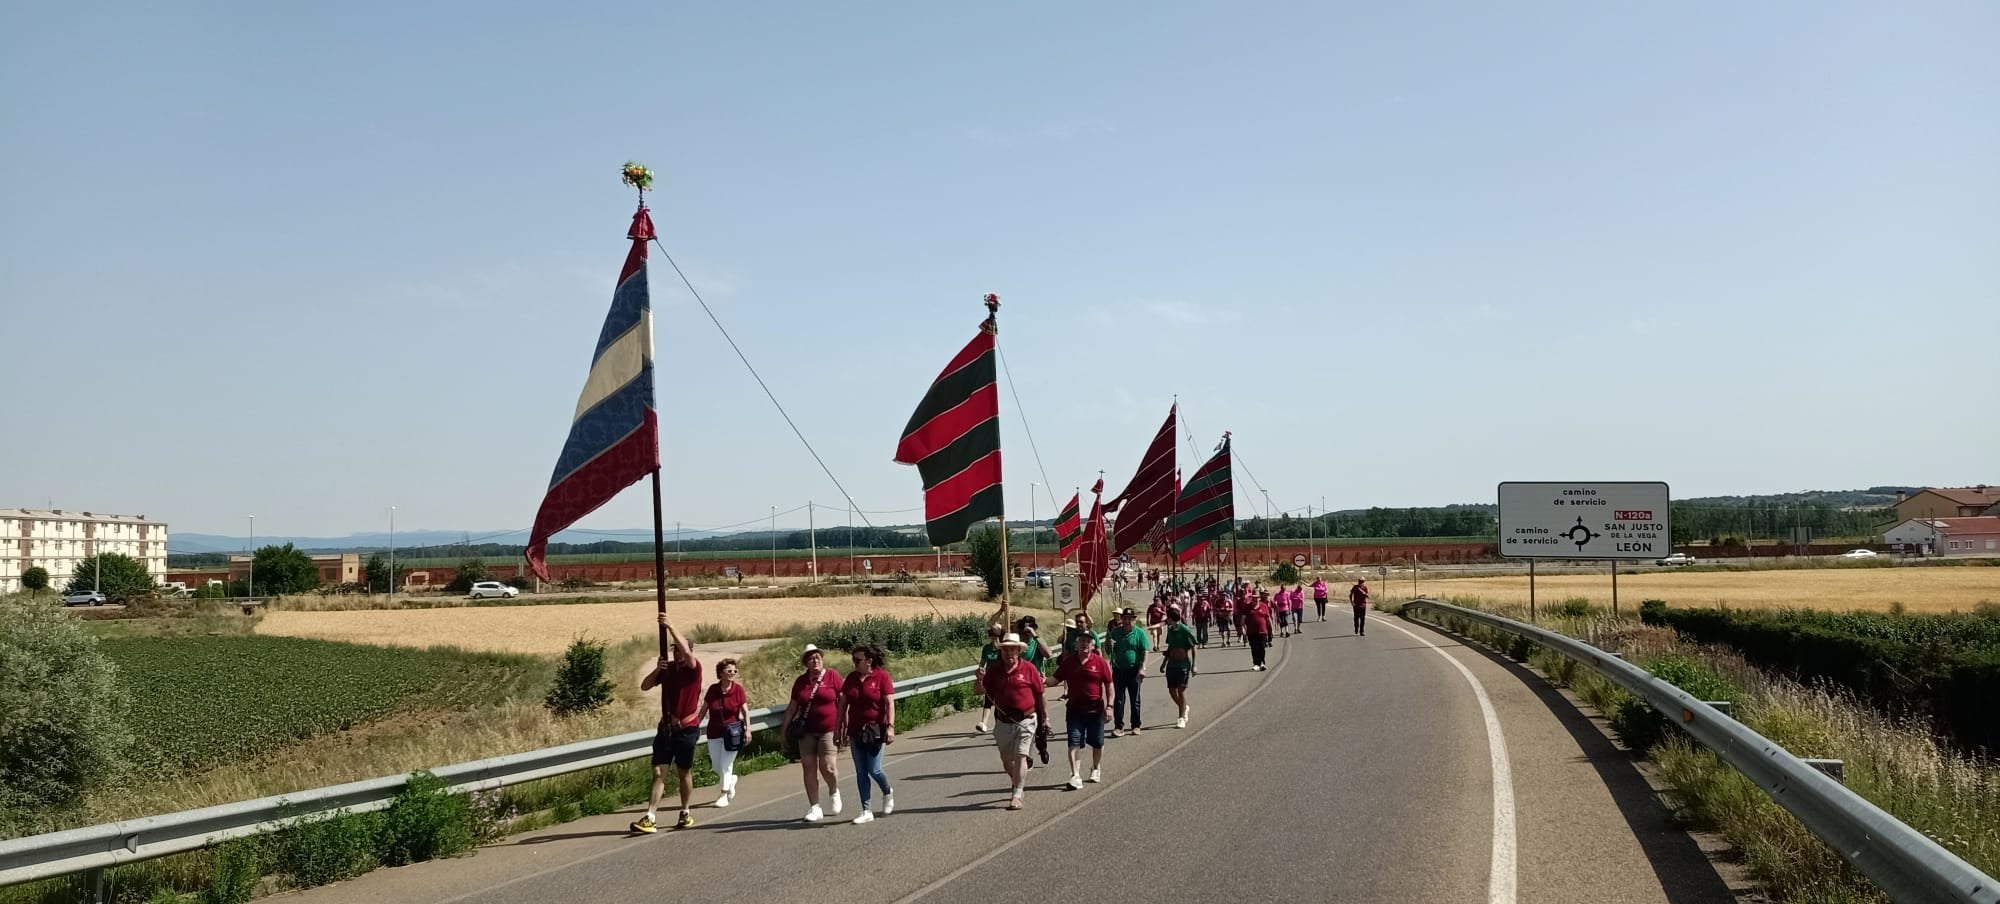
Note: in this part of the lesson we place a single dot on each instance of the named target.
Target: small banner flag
(1069, 526)
(614, 436)
(954, 439)
(1094, 555)
(1207, 508)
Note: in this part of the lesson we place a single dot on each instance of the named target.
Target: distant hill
(1873, 497)
(196, 543)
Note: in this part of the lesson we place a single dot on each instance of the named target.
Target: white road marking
(1500, 878)
(1051, 822)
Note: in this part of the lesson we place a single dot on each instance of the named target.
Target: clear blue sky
(308, 262)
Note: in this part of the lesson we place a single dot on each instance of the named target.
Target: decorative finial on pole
(992, 324)
(638, 177)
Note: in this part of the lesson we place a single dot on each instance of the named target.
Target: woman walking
(1178, 664)
(1280, 608)
(728, 712)
(1319, 597)
(1298, 609)
(812, 721)
(869, 696)
(1257, 628)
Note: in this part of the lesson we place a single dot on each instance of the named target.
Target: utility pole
(392, 553)
(250, 586)
(1033, 541)
(850, 538)
(774, 543)
(812, 539)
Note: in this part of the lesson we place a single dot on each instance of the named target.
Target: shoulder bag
(796, 729)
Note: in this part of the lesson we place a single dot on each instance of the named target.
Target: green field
(201, 700)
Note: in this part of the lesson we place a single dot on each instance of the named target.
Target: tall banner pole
(660, 561)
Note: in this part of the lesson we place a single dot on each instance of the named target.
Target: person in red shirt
(1257, 627)
(1201, 615)
(728, 712)
(1016, 688)
(870, 697)
(1086, 675)
(678, 676)
(813, 720)
(1357, 597)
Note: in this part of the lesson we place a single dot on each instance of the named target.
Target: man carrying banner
(678, 676)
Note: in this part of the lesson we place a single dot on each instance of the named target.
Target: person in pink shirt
(1298, 610)
(1257, 627)
(1319, 597)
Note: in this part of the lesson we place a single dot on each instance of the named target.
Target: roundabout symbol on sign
(1579, 534)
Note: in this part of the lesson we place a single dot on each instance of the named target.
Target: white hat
(1013, 640)
(808, 651)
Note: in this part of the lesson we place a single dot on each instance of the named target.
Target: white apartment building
(57, 540)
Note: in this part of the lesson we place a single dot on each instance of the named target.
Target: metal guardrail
(113, 843)
(1901, 860)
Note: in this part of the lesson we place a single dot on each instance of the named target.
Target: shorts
(676, 747)
(1016, 739)
(818, 743)
(1178, 674)
(1086, 730)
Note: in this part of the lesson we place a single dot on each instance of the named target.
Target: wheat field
(1837, 589)
(549, 629)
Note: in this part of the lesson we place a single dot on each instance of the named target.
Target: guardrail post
(1722, 706)
(93, 886)
(1833, 769)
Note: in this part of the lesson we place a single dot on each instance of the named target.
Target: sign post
(1560, 520)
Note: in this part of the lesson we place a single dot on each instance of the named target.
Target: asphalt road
(1360, 769)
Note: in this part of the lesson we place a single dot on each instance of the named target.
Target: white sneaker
(836, 804)
(888, 804)
(1075, 781)
(813, 814)
(1180, 722)
(864, 819)
(722, 800)
(1096, 775)
(981, 728)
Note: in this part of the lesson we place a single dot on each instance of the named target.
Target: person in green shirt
(988, 655)
(1128, 645)
(1178, 664)
(1077, 625)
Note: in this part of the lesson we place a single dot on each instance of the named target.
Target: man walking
(678, 676)
(1128, 645)
(1015, 687)
(1178, 664)
(1357, 596)
(1087, 678)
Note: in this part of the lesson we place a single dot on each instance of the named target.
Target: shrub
(36, 578)
(580, 684)
(284, 569)
(985, 560)
(518, 582)
(318, 851)
(1285, 573)
(1652, 612)
(599, 802)
(902, 636)
(239, 865)
(1638, 725)
(470, 572)
(62, 726)
(425, 822)
(1519, 647)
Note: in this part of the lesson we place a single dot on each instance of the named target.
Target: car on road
(1039, 578)
(1679, 558)
(1859, 554)
(492, 589)
(82, 597)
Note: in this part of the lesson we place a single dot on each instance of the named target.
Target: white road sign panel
(1069, 590)
(1554, 520)
(1299, 559)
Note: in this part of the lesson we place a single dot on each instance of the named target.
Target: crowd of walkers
(1100, 677)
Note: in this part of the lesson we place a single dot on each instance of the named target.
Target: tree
(1285, 573)
(63, 728)
(580, 684)
(375, 573)
(470, 572)
(36, 578)
(983, 545)
(121, 576)
(283, 569)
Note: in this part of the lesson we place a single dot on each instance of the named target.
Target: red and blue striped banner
(614, 436)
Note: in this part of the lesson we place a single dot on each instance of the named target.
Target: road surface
(1399, 766)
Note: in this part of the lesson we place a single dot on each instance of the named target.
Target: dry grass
(1920, 590)
(546, 630)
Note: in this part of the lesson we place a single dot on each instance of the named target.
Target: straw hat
(807, 652)
(1013, 640)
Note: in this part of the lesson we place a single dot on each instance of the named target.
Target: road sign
(1299, 559)
(1069, 591)
(1552, 520)
(867, 564)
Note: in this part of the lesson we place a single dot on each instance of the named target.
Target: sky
(308, 262)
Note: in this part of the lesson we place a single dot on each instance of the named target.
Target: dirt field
(1918, 589)
(549, 629)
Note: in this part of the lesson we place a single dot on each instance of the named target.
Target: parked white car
(490, 589)
(1679, 558)
(1859, 554)
(81, 597)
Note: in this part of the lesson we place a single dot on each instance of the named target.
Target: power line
(759, 378)
(1023, 412)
